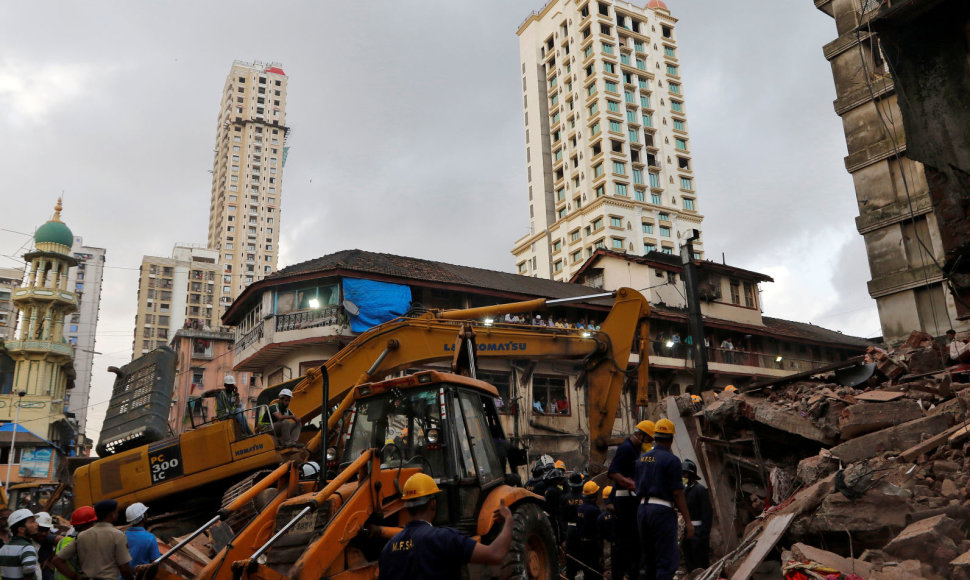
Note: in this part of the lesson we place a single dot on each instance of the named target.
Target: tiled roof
(812, 332)
(418, 270)
(415, 271)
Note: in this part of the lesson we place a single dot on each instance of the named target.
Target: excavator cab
(439, 423)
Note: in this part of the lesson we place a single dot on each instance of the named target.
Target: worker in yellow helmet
(421, 550)
(587, 516)
(560, 464)
(660, 487)
(648, 428)
(730, 389)
(622, 470)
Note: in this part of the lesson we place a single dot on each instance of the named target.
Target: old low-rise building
(299, 317)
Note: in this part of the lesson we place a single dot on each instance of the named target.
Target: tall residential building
(10, 279)
(607, 146)
(85, 281)
(896, 216)
(247, 173)
(183, 291)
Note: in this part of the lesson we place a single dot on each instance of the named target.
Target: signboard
(164, 462)
(35, 461)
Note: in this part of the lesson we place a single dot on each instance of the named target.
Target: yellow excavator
(444, 424)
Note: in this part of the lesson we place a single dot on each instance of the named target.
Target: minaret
(44, 359)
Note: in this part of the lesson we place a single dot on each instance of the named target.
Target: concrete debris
(872, 480)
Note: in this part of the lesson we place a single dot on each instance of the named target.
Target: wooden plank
(722, 494)
(930, 444)
(766, 541)
(959, 435)
(879, 396)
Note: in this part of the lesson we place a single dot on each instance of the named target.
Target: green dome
(56, 232)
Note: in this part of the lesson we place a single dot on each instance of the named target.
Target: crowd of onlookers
(34, 547)
(550, 321)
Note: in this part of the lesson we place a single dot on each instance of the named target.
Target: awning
(24, 435)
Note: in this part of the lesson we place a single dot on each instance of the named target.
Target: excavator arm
(439, 336)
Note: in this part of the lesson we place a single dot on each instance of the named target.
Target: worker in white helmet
(142, 544)
(285, 424)
(229, 405)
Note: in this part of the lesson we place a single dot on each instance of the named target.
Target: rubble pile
(864, 475)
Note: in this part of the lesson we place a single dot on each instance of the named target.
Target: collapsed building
(860, 470)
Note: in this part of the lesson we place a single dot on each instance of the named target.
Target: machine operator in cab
(422, 551)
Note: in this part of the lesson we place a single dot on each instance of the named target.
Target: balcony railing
(326, 316)
(249, 338)
(738, 357)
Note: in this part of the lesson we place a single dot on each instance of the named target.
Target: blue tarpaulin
(378, 302)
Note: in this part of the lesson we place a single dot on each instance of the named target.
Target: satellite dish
(351, 308)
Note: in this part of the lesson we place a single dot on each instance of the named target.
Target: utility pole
(695, 322)
(13, 439)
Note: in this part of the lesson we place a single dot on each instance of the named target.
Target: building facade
(183, 291)
(10, 278)
(44, 370)
(296, 320)
(247, 173)
(607, 143)
(85, 281)
(204, 359)
(896, 217)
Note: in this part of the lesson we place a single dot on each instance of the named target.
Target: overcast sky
(407, 138)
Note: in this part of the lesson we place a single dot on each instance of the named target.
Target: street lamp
(13, 438)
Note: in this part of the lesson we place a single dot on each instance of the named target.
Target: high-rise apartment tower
(247, 174)
(607, 145)
(85, 281)
(183, 291)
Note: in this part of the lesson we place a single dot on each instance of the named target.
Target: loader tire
(533, 554)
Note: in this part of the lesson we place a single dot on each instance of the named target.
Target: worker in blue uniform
(697, 549)
(590, 550)
(606, 528)
(622, 470)
(568, 509)
(660, 487)
(552, 498)
(423, 552)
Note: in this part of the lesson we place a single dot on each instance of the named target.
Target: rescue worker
(228, 404)
(697, 549)
(568, 521)
(101, 551)
(535, 484)
(142, 544)
(622, 470)
(309, 471)
(82, 519)
(45, 540)
(285, 425)
(560, 464)
(423, 552)
(552, 497)
(606, 528)
(660, 487)
(587, 520)
(18, 557)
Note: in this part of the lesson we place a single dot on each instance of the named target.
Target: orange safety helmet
(83, 515)
(417, 488)
(665, 427)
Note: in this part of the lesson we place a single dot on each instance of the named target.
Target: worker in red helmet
(82, 519)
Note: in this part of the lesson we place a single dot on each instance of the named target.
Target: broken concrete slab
(812, 469)
(868, 417)
(874, 514)
(804, 552)
(928, 534)
(764, 412)
(900, 437)
(879, 396)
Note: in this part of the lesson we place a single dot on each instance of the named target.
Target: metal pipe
(185, 540)
(325, 422)
(262, 549)
(377, 363)
(343, 477)
(471, 357)
(580, 298)
(256, 489)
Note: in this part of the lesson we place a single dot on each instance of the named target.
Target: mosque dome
(54, 231)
